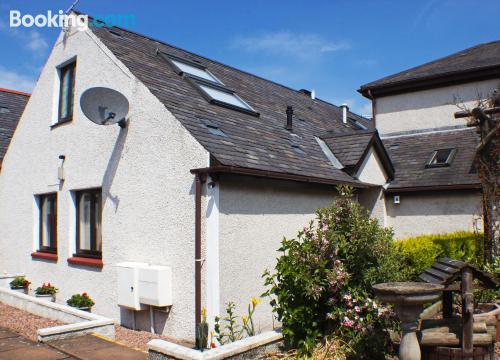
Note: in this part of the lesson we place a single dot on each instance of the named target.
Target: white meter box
(141, 284)
(128, 285)
(155, 285)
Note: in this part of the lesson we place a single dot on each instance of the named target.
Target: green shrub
(80, 301)
(322, 283)
(421, 252)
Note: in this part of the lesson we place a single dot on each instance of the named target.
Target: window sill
(44, 256)
(59, 123)
(75, 260)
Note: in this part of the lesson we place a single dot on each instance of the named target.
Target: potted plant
(81, 302)
(20, 284)
(47, 291)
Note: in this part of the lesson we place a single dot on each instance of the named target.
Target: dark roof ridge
(367, 85)
(220, 63)
(17, 92)
(425, 132)
(329, 135)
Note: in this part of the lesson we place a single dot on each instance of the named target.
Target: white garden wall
(148, 196)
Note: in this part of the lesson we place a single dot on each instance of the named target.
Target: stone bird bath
(408, 299)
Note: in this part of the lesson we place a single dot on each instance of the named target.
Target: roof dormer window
(4, 109)
(441, 158)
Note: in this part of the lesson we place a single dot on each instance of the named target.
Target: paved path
(15, 347)
(88, 347)
(91, 347)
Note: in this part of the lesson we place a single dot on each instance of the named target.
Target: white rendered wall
(371, 170)
(255, 215)
(148, 191)
(433, 212)
(429, 108)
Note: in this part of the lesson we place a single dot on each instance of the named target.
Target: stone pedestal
(408, 299)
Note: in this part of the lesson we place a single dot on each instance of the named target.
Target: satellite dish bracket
(122, 123)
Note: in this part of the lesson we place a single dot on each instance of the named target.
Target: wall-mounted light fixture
(60, 169)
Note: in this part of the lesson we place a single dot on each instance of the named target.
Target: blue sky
(330, 46)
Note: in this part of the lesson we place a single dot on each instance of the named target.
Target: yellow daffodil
(245, 319)
(255, 301)
(203, 312)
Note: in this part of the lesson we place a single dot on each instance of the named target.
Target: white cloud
(36, 42)
(303, 46)
(16, 81)
(30, 39)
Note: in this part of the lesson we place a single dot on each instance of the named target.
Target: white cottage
(214, 167)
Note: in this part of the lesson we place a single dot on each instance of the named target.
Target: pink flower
(347, 322)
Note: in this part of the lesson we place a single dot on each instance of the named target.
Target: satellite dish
(104, 106)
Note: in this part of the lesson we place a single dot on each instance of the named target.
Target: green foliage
(230, 330)
(420, 252)
(80, 301)
(19, 282)
(46, 289)
(323, 280)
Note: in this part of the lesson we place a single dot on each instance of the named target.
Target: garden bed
(139, 339)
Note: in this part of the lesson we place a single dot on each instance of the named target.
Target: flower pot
(47, 297)
(23, 290)
(87, 309)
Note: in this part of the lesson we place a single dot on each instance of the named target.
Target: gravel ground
(139, 339)
(27, 324)
(22, 322)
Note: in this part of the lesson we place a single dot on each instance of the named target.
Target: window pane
(225, 97)
(195, 71)
(65, 93)
(48, 209)
(98, 236)
(84, 210)
(441, 156)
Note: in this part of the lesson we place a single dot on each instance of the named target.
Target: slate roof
(252, 142)
(349, 148)
(480, 59)
(410, 154)
(14, 102)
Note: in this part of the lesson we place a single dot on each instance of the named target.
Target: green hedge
(421, 252)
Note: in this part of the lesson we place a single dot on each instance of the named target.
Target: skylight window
(4, 110)
(298, 149)
(441, 158)
(209, 86)
(213, 128)
(195, 71)
(217, 94)
(357, 125)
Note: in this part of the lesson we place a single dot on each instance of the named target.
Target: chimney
(313, 94)
(344, 108)
(289, 117)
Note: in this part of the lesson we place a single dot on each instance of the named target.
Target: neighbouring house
(12, 104)
(436, 188)
(214, 167)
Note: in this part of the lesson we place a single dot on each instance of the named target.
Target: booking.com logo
(62, 20)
